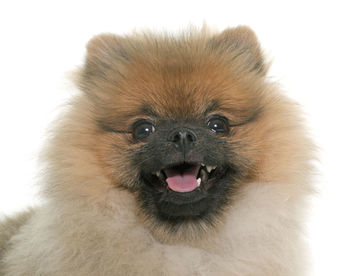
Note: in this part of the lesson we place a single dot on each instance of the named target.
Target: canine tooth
(210, 168)
(158, 173)
(199, 181)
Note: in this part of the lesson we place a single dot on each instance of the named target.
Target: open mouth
(185, 177)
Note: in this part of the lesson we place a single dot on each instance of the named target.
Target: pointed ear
(104, 58)
(101, 50)
(101, 46)
(243, 42)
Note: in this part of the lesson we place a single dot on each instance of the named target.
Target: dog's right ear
(104, 62)
(103, 52)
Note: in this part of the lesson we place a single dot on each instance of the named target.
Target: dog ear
(102, 54)
(243, 43)
(100, 43)
(105, 64)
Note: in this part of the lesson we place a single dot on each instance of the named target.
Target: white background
(308, 42)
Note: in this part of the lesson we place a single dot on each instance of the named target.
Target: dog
(179, 156)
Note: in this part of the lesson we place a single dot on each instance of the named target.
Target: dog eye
(142, 129)
(218, 125)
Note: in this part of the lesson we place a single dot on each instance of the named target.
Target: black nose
(183, 139)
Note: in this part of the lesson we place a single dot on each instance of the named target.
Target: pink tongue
(185, 182)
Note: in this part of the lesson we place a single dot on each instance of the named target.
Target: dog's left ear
(243, 43)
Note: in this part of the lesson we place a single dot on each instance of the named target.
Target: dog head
(184, 122)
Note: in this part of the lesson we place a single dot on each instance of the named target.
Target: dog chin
(186, 194)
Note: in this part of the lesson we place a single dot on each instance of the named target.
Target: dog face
(182, 120)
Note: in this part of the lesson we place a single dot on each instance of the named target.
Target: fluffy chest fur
(115, 243)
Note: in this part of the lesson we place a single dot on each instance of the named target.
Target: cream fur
(88, 227)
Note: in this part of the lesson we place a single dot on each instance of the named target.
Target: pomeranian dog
(178, 157)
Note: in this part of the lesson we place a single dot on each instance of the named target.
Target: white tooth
(202, 165)
(199, 181)
(210, 168)
(158, 173)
